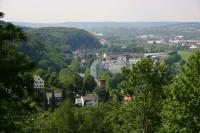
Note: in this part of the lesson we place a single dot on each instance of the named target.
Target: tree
(71, 82)
(75, 66)
(87, 72)
(64, 120)
(66, 84)
(93, 119)
(174, 61)
(9, 32)
(181, 107)
(77, 84)
(16, 83)
(145, 84)
(114, 85)
(122, 118)
(89, 84)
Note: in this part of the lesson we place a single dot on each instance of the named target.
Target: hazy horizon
(61, 11)
(189, 21)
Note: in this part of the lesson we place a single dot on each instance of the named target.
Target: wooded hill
(52, 46)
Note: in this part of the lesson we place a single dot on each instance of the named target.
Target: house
(38, 82)
(88, 100)
(57, 97)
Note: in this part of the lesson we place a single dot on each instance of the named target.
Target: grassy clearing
(185, 54)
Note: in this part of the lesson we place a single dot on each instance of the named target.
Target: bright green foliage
(63, 119)
(75, 66)
(39, 72)
(60, 121)
(185, 54)
(87, 72)
(89, 84)
(69, 119)
(181, 107)
(76, 38)
(146, 81)
(93, 119)
(71, 83)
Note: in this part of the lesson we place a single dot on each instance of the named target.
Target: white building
(155, 56)
(88, 100)
(155, 41)
(146, 36)
(134, 60)
(38, 82)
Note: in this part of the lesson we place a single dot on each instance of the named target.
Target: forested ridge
(53, 46)
(74, 37)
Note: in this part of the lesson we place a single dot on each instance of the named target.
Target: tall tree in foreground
(64, 120)
(181, 110)
(145, 84)
(16, 84)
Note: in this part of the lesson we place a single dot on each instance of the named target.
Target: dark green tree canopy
(16, 83)
(181, 108)
(145, 84)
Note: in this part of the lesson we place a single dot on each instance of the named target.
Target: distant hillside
(75, 38)
(51, 47)
(91, 25)
(188, 30)
(130, 29)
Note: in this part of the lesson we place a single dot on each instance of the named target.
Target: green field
(185, 54)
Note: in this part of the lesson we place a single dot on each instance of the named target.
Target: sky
(57, 11)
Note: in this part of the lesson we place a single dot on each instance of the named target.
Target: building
(155, 56)
(57, 97)
(101, 84)
(94, 69)
(134, 60)
(88, 100)
(113, 66)
(38, 82)
(154, 42)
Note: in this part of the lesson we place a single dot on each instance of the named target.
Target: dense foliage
(158, 101)
(16, 83)
(52, 47)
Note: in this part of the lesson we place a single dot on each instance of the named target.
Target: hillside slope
(76, 38)
(52, 47)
